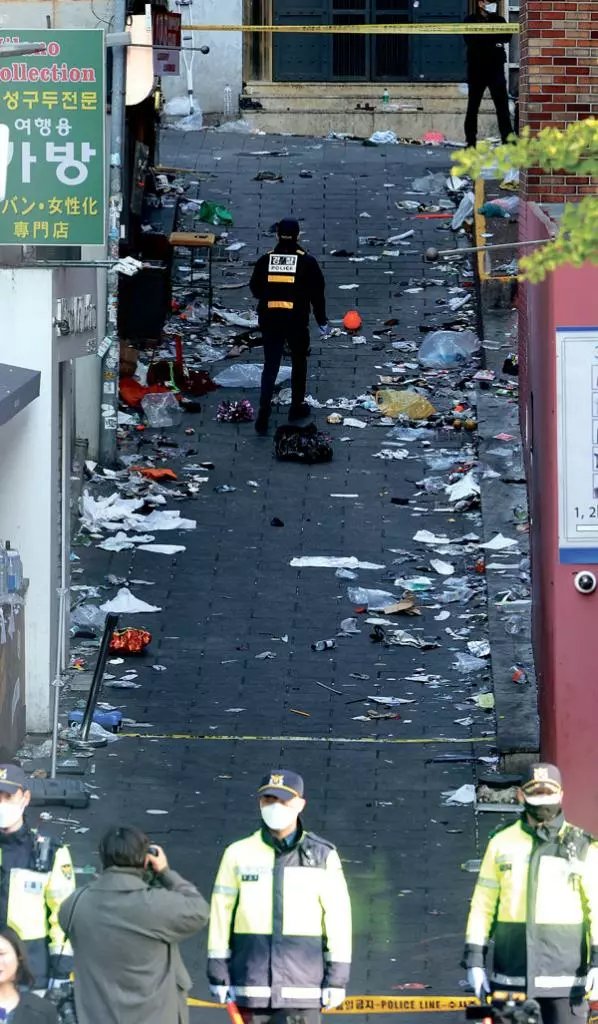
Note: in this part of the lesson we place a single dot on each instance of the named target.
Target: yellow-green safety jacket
(36, 875)
(280, 921)
(537, 897)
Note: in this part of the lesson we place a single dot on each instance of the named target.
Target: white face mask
(278, 816)
(491, 8)
(10, 814)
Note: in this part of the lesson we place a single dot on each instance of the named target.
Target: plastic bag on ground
(468, 663)
(191, 123)
(213, 213)
(442, 350)
(430, 185)
(162, 410)
(404, 403)
(126, 603)
(248, 375)
(464, 211)
(371, 599)
(383, 138)
(332, 562)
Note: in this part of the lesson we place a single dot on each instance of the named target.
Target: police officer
(280, 922)
(287, 282)
(537, 897)
(36, 875)
(486, 70)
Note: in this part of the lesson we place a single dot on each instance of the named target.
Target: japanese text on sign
(53, 105)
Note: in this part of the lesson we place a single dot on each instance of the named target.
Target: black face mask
(544, 813)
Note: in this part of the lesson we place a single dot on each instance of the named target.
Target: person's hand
(592, 983)
(478, 980)
(332, 997)
(223, 993)
(323, 329)
(157, 860)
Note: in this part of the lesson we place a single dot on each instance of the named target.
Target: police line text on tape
(385, 1004)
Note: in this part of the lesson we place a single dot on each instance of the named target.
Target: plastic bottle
(472, 866)
(323, 645)
(228, 101)
(14, 572)
(385, 98)
(3, 573)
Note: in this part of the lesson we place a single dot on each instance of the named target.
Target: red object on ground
(130, 640)
(155, 474)
(131, 391)
(178, 344)
(352, 320)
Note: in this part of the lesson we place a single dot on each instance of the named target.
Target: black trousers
(561, 1011)
(496, 82)
(280, 1016)
(274, 342)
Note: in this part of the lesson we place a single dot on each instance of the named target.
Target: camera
(584, 582)
(507, 1008)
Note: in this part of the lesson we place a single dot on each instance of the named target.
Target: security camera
(585, 582)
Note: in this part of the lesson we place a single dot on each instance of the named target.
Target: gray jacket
(125, 935)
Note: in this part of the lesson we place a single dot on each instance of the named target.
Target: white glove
(592, 983)
(332, 997)
(223, 993)
(478, 980)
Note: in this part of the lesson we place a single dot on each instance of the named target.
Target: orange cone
(352, 320)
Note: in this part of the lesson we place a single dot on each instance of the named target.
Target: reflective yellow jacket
(537, 897)
(33, 891)
(280, 922)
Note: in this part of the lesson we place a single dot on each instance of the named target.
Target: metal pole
(111, 360)
(98, 675)
(433, 253)
(65, 511)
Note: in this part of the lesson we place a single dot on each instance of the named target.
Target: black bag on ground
(302, 444)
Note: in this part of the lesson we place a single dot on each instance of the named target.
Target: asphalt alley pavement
(219, 716)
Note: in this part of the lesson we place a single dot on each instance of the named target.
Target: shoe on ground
(299, 412)
(261, 424)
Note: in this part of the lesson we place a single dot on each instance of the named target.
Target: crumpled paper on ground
(331, 562)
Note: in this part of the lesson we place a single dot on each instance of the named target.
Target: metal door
(307, 57)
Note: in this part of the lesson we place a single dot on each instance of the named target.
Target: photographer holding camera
(125, 930)
(537, 897)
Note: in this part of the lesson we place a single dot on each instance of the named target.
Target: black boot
(299, 412)
(261, 423)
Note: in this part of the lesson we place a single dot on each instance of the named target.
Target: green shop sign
(53, 104)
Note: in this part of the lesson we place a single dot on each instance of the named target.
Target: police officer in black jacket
(486, 70)
(288, 283)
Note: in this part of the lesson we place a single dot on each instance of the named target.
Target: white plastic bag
(248, 375)
(162, 410)
(464, 211)
(444, 350)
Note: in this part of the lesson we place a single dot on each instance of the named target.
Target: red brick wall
(558, 81)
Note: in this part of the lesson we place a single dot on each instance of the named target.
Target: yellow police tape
(418, 29)
(378, 740)
(385, 1004)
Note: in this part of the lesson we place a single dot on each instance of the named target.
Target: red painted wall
(565, 623)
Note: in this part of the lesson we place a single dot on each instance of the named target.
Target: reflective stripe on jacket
(34, 897)
(287, 283)
(280, 922)
(537, 897)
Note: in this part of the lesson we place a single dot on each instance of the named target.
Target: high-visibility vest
(538, 900)
(280, 922)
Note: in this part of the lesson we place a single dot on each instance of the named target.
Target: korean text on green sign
(53, 104)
